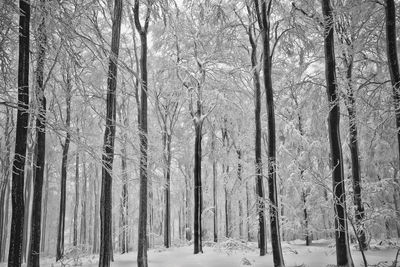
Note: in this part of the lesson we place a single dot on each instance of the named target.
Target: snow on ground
(236, 254)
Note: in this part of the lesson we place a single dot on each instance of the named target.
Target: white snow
(236, 254)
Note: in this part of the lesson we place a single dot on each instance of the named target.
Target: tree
(393, 62)
(109, 138)
(168, 109)
(142, 228)
(17, 217)
(65, 147)
(34, 250)
(263, 16)
(343, 255)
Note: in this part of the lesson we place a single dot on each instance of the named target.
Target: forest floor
(233, 253)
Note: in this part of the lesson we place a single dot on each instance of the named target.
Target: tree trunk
(198, 201)
(167, 192)
(391, 47)
(188, 224)
(44, 217)
(248, 206)
(272, 187)
(83, 231)
(17, 217)
(29, 177)
(124, 237)
(76, 207)
(343, 255)
(64, 163)
(96, 213)
(226, 212)
(4, 194)
(215, 202)
(142, 228)
(258, 158)
(108, 143)
(34, 251)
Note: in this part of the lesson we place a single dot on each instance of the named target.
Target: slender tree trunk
(34, 251)
(4, 195)
(226, 211)
(214, 166)
(264, 15)
(17, 217)
(142, 228)
(108, 145)
(76, 207)
(343, 255)
(124, 202)
(167, 192)
(188, 224)
(96, 213)
(248, 206)
(44, 207)
(64, 163)
(29, 177)
(198, 201)
(355, 160)
(258, 156)
(83, 233)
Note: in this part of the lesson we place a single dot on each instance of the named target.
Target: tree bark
(343, 255)
(167, 191)
(76, 207)
(17, 217)
(96, 213)
(198, 201)
(264, 15)
(5, 182)
(393, 63)
(142, 228)
(108, 143)
(83, 232)
(257, 148)
(214, 167)
(124, 237)
(44, 217)
(34, 251)
(64, 163)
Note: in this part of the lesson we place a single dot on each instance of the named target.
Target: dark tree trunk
(264, 15)
(355, 160)
(391, 47)
(167, 192)
(64, 163)
(198, 201)
(76, 207)
(34, 251)
(343, 255)
(215, 203)
(17, 217)
(142, 228)
(226, 211)
(258, 157)
(108, 143)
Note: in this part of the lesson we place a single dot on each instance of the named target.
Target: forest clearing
(199, 133)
